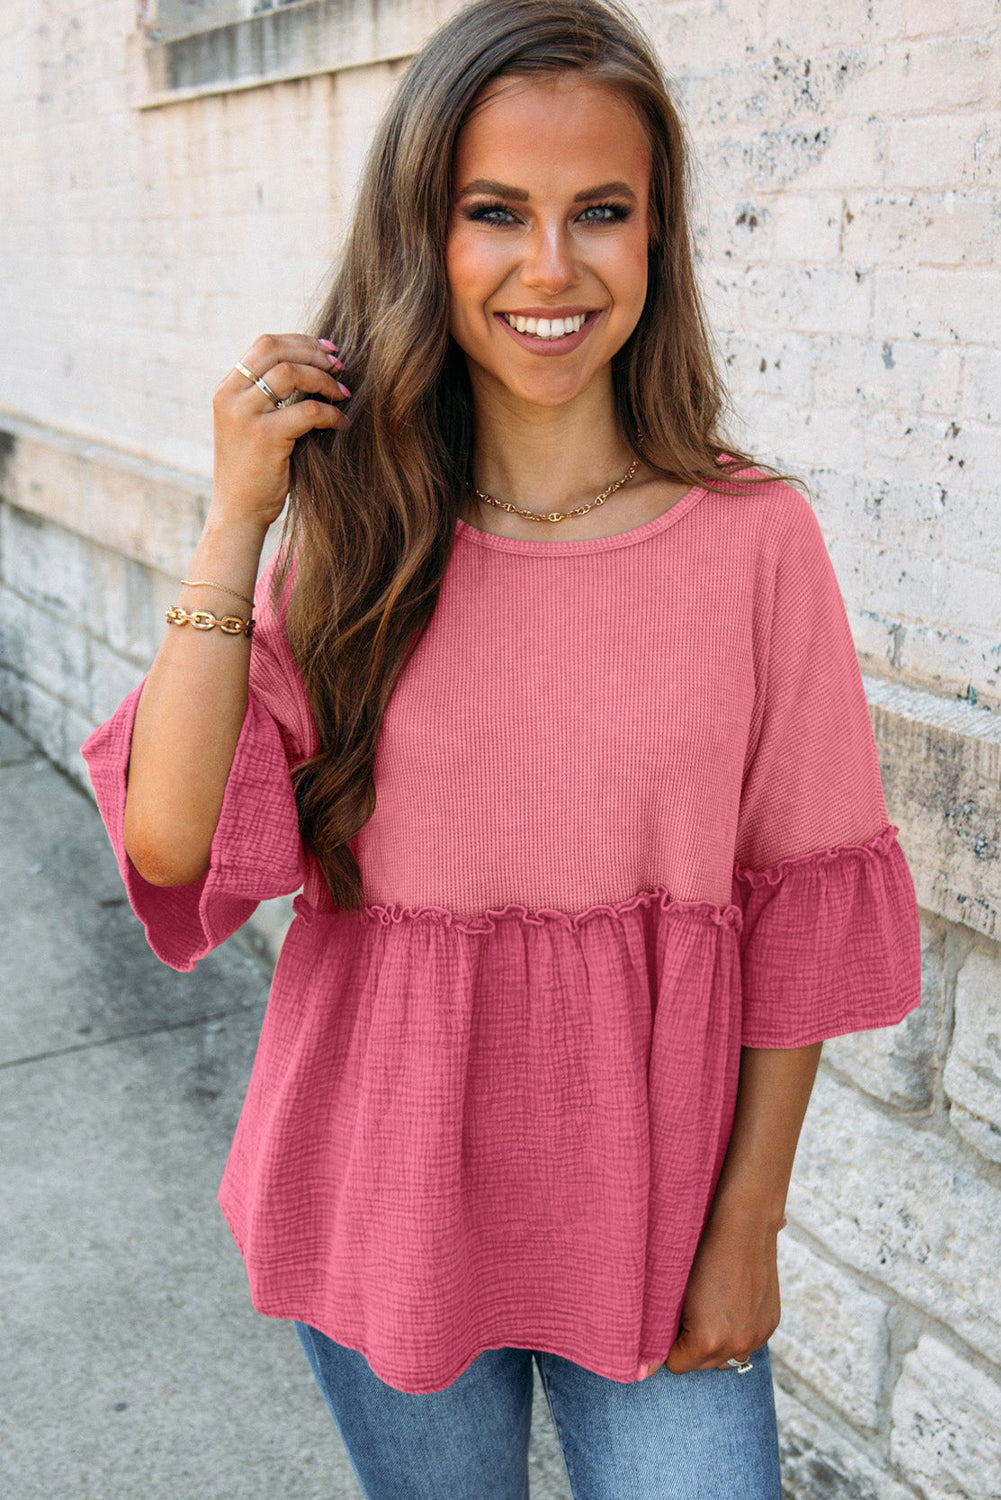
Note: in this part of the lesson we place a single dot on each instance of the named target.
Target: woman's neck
(549, 458)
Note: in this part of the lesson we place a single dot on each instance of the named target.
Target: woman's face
(549, 221)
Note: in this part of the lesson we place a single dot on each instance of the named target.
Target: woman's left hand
(731, 1302)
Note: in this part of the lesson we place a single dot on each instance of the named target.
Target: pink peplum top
(629, 820)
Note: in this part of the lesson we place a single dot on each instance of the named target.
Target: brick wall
(849, 162)
(851, 157)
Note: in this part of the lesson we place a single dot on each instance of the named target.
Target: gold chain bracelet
(203, 619)
(206, 583)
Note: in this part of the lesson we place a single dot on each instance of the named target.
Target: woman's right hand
(196, 691)
(254, 439)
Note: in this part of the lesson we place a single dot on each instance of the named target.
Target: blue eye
(614, 211)
(611, 213)
(483, 214)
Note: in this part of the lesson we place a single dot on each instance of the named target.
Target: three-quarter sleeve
(830, 939)
(256, 852)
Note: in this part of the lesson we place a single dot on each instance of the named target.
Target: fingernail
(643, 1372)
(328, 345)
(335, 363)
(343, 388)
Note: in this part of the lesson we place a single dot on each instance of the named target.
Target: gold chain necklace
(555, 515)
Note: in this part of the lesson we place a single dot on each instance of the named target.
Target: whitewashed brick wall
(849, 161)
(851, 158)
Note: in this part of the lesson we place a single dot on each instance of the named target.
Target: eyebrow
(519, 195)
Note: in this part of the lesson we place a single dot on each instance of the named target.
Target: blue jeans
(705, 1435)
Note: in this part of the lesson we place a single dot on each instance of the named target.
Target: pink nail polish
(335, 363)
(643, 1372)
(342, 387)
(328, 345)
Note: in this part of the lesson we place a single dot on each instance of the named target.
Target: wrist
(227, 532)
(224, 566)
(228, 551)
(749, 1206)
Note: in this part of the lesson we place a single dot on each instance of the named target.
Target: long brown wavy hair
(372, 509)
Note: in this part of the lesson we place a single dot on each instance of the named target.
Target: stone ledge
(940, 760)
(131, 505)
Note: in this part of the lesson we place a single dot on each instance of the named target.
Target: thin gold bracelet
(206, 583)
(203, 619)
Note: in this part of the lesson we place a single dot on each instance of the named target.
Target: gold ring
(258, 381)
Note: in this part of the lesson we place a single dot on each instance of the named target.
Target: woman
(552, 711)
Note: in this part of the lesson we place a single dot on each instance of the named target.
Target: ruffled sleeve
(256, 850)
(830, 940)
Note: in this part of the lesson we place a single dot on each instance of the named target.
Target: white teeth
(547, 328)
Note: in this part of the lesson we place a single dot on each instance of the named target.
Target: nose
(549, 262)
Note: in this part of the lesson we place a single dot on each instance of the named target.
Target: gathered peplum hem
(450, 1117)
(488, 921)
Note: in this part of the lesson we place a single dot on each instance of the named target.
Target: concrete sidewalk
(134, 1366)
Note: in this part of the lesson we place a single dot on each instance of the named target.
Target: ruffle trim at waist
(790, 882)
(659, 896)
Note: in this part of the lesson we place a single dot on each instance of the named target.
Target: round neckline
(582, 545)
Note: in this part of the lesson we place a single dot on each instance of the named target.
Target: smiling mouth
(547, 328)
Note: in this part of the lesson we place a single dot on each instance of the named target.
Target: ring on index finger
(258, 381)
